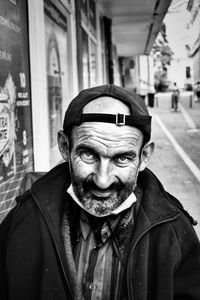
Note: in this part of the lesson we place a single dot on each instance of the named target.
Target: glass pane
(57, 65)
(93, 64)
(92, 14)
(85, 59)
(16, 143)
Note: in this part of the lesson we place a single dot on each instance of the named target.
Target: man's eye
(123, 159)
(87, 156)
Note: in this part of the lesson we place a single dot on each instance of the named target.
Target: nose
(103, 176)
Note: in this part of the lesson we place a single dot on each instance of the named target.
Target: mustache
(89, 184)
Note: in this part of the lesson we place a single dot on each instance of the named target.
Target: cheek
(129, 174)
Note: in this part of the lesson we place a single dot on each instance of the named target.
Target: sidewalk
(167, 164)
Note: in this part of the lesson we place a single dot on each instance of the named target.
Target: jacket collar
(49, 192)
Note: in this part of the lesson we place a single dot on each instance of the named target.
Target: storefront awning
(135, 23)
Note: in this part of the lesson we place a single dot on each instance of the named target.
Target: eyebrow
(128, 153)
(86, 147)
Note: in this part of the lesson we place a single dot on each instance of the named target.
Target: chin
(98, 213)
(99, 208)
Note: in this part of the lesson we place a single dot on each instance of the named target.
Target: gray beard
(101, 206)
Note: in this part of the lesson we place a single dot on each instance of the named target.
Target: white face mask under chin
(126, 204)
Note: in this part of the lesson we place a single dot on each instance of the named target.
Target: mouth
(101, 195)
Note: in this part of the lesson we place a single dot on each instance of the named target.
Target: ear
(63, 145)
(145, 155)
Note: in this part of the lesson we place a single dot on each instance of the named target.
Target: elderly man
(100, 225)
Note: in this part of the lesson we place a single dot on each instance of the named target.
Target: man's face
(104, 161)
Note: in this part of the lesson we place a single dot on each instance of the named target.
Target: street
(176, 156)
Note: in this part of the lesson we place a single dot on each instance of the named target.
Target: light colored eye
(122, 160)
(87, 156)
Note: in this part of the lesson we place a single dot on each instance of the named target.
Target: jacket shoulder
(180, 207)
(24, 205)
(150, 179)
(28, 180)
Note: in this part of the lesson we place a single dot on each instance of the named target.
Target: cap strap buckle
(120, 119)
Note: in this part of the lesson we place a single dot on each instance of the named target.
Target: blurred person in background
(175, 97)
(197, 91)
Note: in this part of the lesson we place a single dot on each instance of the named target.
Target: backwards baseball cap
(139, 116)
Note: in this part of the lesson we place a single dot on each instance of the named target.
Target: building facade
(194, 43)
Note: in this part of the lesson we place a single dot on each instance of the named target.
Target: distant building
(194, 43)
(181, 71)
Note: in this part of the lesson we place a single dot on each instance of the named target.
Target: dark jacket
(164, 255)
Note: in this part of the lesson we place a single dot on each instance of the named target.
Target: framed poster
(16, 155)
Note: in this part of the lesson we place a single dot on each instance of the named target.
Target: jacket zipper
(130, 297)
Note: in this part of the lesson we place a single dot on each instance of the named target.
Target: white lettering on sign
(22, 95)
(23, 102)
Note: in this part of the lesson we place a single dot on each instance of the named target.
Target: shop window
(103, 49)
(92, 16)
(93, 67)
(57, 58)
(88, 57)
(88, 14)
(84, 10)
(85, 60)
(16, 141)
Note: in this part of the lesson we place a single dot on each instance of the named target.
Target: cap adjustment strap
(118, 119)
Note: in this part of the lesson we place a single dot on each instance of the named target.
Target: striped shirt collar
(106, 230)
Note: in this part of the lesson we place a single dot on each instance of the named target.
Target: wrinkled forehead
(106, 105)
(112, 134)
